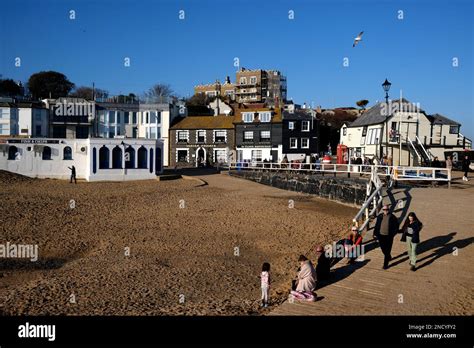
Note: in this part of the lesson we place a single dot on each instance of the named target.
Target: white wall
(30, 163)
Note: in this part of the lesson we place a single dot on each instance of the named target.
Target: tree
(9, 88)
(362, 103)
(159, 91)
(86, 93)
(49, 83)
(199, 99)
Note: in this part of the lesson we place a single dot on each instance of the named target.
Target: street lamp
(386, 87)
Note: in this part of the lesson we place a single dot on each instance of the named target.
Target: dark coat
(416, 226)
(392, 225)
(465, 164)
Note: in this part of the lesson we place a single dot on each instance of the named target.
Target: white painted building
(413, 136)
(138, 120)
(95, 159)
(26, 119)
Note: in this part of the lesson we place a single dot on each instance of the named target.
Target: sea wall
(345, 190)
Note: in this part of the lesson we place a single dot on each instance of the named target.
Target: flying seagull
(357, 39)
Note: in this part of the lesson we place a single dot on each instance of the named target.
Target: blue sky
(415, 53)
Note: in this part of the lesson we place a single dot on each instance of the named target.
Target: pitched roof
(297, 115)
(378, 113)
(440, 119)
(205, 122)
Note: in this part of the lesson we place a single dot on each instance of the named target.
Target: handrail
(423, 148)
(413, 146)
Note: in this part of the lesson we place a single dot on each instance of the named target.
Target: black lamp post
(386, 87)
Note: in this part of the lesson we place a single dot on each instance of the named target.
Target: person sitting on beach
(306, 281)
(323, 266)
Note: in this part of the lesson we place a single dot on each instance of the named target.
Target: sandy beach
(155, 247)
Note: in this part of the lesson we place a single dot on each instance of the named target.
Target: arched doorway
(201, 157)
(104, 157)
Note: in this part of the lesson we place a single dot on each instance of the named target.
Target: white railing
(414, 148)
(428, 155)
(398, 173)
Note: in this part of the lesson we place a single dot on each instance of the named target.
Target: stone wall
(345, 190)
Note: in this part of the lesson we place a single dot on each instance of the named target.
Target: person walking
(449, 166)
(465, 167)
(411, 235)
(265, 282)
(386, 227)
(73, 174)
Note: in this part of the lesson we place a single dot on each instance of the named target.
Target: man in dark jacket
(385, 230)
(465, 167)
(73, 174)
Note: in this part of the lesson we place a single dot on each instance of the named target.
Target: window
(134, 117)
(104, 158)
(67, 153)
(364, 131)
(117, 158)
(220, 156)
(182, 136)
(253, 80)
(305, 126)
(111, 116)
(211, 93)
(38, 130)
(129, 157)
(12, 153)
(142, 154)
(118, 117)
(256, 155)
(201, 136)
(344, 131)
(158, 132)
(453, 129)
(111, 134)
(291, 125)
(37, 115)
(293, 143)
(219, 136)
(147, 117)
(158, 117)
(126, 117)
(46, 153)
(248, 136)
(264, 135)
(265, 116)
(182, 155)
(373, 137)
(152, 133)
(305, 143)
(247, 117)
(243, 80)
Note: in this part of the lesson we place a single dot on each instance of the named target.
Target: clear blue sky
(415, 53)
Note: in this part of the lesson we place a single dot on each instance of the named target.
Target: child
(265, 277)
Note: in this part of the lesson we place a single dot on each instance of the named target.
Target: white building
(413, 136)
(26, 119)
(138, 120)
(95, 159)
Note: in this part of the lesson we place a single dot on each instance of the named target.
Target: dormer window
(247, 117)
(265, 116)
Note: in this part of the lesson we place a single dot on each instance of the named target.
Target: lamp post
(386, 87)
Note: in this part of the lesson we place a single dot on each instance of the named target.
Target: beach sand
(193, 249)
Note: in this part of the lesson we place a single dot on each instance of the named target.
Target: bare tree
(159, 91)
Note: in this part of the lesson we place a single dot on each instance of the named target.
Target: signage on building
(32, 141)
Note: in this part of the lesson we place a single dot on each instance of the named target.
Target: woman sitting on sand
(306, 281)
